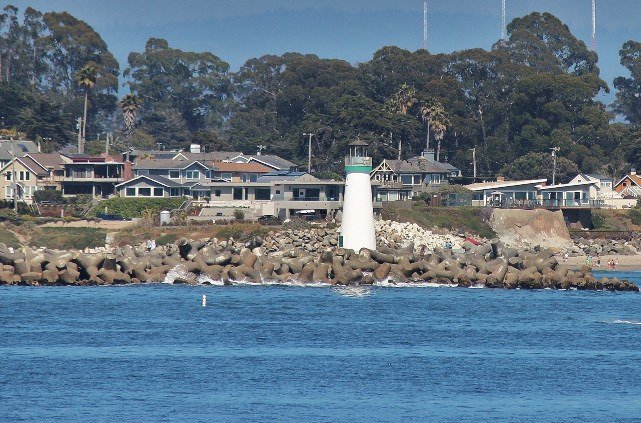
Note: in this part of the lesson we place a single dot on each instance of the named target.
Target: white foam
(353, 291)
(627, 322)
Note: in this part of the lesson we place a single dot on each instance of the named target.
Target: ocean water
(277, 353)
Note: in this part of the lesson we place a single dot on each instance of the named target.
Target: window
(174, 174)
(417, 179)
(192, 174)
(238, 194)
(244, 177)
(7, 192)
(144, 192)
(262, 193)
(219, 213)
(520, 195)
(174, 192)
(21, 176)
(477, 196)
(277, 191)
(158, 192)
(217, 193)
(225, 176)
(406, 179)
(8, 176)
(130, 192)
(253, 177)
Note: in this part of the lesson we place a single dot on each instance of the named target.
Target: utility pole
(593, 25)
(13, 176)
(554, 151)
(503, 24)
(309, 151)
(425, 25)
(474, 160)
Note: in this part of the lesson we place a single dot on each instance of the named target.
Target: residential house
(629, 185)
(581, 193)
(278, 193)
(405, 179)
(23, 175)
(166, 178)
(607, 195)
(54, 163)
(93, 175)
(502, 192)
(152, 186)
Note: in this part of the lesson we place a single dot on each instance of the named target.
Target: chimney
(500, 179)
(633, 171)
(428, 155)
(194, 148)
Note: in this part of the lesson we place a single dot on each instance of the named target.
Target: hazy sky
(236, 30)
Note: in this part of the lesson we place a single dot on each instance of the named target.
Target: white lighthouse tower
(357, 225)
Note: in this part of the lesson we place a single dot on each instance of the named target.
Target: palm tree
(129, 106)
(434, 114)
(400, 103)
(86, 78)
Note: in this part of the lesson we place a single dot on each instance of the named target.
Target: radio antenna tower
(503, 26)
(593, 25)
(424, 25)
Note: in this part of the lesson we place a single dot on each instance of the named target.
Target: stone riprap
(390, 234)
(203, 261)
(583, 246)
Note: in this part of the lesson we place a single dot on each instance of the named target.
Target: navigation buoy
(204, 300)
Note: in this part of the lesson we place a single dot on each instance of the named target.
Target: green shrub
(598, 221)
(8, 238)
(48, 195)
(134, 207)
(635, 215)
(239, 214)
(69, 238)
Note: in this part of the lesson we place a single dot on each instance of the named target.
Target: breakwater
(490, 264)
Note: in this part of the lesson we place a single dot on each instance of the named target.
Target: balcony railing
(545, 203)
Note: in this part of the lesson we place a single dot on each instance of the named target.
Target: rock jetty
(491, 265)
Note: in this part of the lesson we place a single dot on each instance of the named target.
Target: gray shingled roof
(22, 147)
(210, 156)
(285, 176)
(273, 161)
(159, 179)
(416, 165)
(166, 164)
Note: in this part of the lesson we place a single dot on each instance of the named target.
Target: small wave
(390, 283)
(626, 322)
(353, 291)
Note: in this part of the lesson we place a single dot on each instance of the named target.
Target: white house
(502, 191)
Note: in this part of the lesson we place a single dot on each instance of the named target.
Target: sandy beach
(626, 263)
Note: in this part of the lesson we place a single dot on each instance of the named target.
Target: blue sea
(303, 354)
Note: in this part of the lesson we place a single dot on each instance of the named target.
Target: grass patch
(134, 207)
(8, 238)
(68, 238)
(464, 219)
(166, 239)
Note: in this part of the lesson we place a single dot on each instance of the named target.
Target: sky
(237, 30)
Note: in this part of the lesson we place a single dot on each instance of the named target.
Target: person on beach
(615, 264)
(598, 260)
(588, 260)
(565, 257)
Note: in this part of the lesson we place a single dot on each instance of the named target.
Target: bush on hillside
(135, 207)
